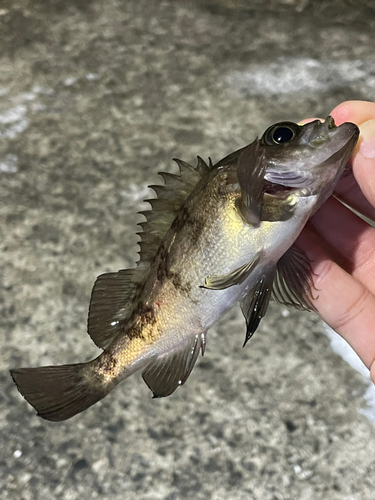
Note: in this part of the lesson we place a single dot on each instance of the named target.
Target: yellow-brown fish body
(216, 235)
(208, 237)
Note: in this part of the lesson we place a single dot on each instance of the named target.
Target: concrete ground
(95, 99)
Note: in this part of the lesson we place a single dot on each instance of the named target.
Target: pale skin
(341, 246)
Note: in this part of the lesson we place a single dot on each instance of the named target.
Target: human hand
(341, 246)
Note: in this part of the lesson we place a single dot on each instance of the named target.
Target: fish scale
(216, 235)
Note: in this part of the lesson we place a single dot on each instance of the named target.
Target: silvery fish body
(216, 235)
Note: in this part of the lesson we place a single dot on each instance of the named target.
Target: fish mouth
(318, 155)
(276, 190)
(346, 133)
(320, 144)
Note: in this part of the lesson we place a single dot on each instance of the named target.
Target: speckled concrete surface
(95, 98)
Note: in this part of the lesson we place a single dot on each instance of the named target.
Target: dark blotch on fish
(216, 235)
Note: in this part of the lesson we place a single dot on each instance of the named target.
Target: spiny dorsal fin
(170, 199)
(293, 280)
(111, 303)
(165, 373)
(202, 166)
(254, 305)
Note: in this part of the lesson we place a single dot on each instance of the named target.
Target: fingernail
(308, 120)
(367, 144)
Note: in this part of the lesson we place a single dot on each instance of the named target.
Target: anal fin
(166, 372)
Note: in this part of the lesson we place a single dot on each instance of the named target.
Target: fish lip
(347, 148)
(331, 128)
(351, 142)
(330, 123)
(356, 131)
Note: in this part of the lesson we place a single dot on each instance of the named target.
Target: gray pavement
(95, 99)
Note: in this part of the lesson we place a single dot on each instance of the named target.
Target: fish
(216, 234)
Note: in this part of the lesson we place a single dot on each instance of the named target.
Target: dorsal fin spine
(165, 207)
(202, 165)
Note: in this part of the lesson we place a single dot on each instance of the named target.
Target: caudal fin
(60, 392)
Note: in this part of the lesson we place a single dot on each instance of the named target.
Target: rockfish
(216, 235)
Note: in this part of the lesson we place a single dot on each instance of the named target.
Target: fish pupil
(282, 134)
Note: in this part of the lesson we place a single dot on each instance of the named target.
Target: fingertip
(344, 112)
(367, 142)
(353, 111)
(308, 120)
(364, 160)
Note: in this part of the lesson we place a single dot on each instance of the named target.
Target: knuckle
(353, 310)
(324, 272)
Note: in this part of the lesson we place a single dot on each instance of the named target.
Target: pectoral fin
(250, 172)
(293, 280)
(254, 305)
(166, 372)
(220, 282)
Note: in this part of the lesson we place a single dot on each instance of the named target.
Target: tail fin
(60, 392)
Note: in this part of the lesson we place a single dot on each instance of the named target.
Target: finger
(349, 192)
(308, 120)
(351, 239)
(341, 301)
(353, 111)
(364, 161)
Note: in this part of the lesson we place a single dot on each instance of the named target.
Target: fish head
(307, 159)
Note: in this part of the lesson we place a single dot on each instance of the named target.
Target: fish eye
(280, 134)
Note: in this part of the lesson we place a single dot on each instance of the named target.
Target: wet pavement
(95, 99)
